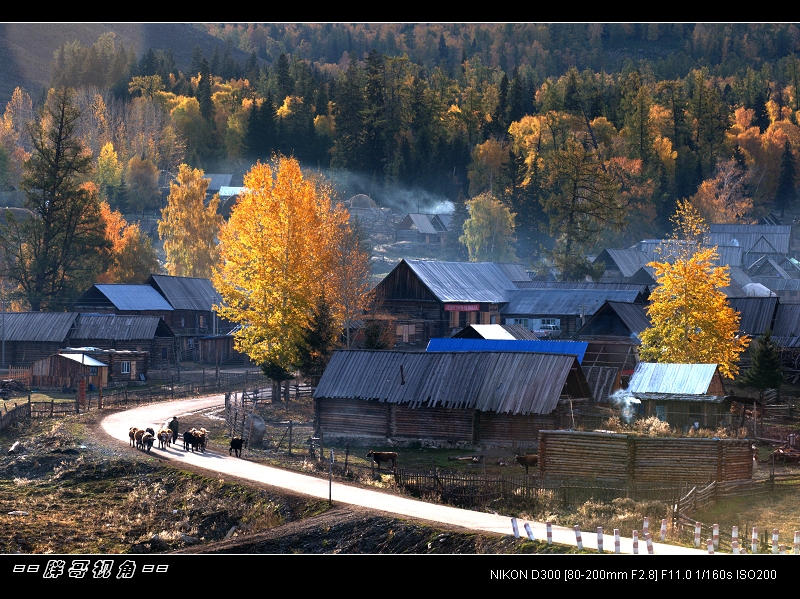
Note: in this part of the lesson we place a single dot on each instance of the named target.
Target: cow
(236, 446)
(384, 456)
(189, 441)
(147, 441)
(138, 437)
(164, 438)
(132, 435)
(527, 460)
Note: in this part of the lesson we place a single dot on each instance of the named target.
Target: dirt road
(118, 424)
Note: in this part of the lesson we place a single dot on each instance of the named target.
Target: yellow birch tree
(692, 322)
(278, 256)
(188, 227)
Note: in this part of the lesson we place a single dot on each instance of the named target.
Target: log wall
(632, 459)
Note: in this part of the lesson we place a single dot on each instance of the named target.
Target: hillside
(26, 49)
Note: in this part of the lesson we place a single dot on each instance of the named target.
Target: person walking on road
(173, 426)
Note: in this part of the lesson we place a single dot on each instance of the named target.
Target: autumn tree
(57, 251)
(133, 257)
(142, 184)
(188, 227)
(691, 320)
(108, 174)
(489, 230)
(277, 260)
(724, 198)
(583, 202)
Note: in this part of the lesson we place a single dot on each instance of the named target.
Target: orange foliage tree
(283, 247)
(692, 322)
(133, 257)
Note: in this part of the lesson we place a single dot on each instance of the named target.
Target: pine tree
(319, 339)
(765, 370)
(57, 251)
(786, 195)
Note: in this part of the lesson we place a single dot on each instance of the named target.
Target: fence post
(290, 439)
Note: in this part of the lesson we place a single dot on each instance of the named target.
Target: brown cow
(384, 456)
(527, 460)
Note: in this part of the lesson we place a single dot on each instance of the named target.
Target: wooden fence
(229, 383)
(696, 497)
(477, 491)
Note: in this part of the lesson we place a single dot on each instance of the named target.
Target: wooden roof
(502, 382)
(37, 326)
(186, 293)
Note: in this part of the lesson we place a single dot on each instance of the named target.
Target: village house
(449, 399)
(67, 370)
(683, 395)
(445, 297)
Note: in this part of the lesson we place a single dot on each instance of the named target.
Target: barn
(447, 399)
(683, 395)
(67, 370)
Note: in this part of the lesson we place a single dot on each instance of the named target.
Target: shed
(684, 395)
(148, 334)
(446, 398)
(66, 370)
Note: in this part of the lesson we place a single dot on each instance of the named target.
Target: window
(520, 321)
(163, 353)
(183, 323)
(661, 413)
(202, 320)
(125, 367)
(92, 370)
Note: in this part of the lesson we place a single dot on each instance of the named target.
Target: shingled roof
(37, 326)
(120, 327)
(463, 281)
(502, 382)
(186, 293)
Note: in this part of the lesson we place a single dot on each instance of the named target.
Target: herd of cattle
(195, 439)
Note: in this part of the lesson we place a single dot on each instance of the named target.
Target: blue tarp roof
(577, 348)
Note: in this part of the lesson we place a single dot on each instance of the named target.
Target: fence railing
(478, 490)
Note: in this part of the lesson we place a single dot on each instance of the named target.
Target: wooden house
(31, 336)
(124, 299)
(192, 300)
(453, 399)
(446, 296)
(430, 229)
(567, 309)
(67, 370)
(147, 341)
(683, 395)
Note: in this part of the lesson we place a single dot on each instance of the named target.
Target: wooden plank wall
(352, 417)
(633, 459)
(505, 427)
(432, 423)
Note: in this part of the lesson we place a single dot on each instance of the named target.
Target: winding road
(118, 424)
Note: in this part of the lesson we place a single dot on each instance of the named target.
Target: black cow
(384, 456)
(527, 461)
(236, 446)
(190, 441)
